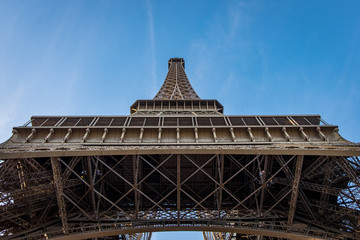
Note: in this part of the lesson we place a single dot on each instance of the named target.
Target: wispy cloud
(237, 19)
(150, 15)
(264, 67)
(225, 31)
(12, 102)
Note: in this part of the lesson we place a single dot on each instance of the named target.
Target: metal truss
(136, 236)
(177, 163)
(176, 84)
(157, 128)
(156, 134)
(219, 236)
(234, 236)
(226, 196)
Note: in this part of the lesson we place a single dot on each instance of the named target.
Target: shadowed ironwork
(177, 163)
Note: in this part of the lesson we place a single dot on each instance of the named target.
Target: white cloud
(150, 15)
(10, 110)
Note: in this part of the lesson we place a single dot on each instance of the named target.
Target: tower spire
(176, 85)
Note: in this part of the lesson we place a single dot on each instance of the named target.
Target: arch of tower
(178, 163)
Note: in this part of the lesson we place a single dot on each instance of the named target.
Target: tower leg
(59, 193)
(295, 190)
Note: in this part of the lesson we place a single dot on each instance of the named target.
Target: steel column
(91, 186)
(59, 193)
(295, 189)
(178, 185)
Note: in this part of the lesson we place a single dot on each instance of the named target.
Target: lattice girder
(177, 163)
(176, 84)
(145, 192)
(76, 136)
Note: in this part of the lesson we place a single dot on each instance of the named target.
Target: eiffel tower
(177, 163)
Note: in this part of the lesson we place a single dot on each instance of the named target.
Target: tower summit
(178, 163)
(176, 84)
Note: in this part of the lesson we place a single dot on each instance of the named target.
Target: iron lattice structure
(178, 163)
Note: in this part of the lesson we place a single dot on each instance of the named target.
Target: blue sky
(256, 57)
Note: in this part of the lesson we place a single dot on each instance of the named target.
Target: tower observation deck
(178, 163)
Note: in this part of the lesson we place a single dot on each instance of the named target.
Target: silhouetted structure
(178, 163)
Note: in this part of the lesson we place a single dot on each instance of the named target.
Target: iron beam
(295, 189)
(59, 193)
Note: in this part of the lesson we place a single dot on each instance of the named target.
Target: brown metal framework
(178, 164)
(176, 84)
